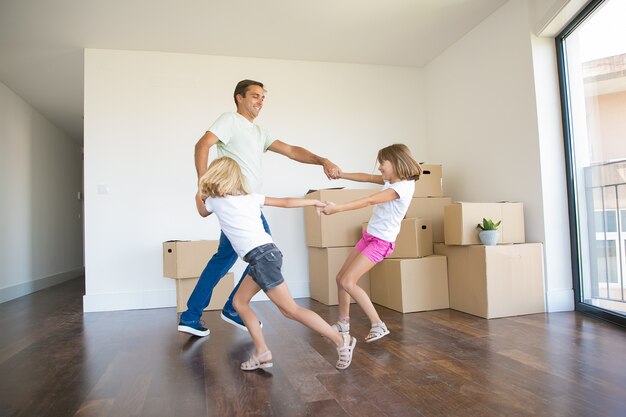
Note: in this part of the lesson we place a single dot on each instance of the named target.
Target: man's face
(250, 105)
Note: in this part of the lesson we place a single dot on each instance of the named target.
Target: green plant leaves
(488, 224)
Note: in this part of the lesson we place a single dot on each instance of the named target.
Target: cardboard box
(430, 183)
(221, 292)
(431, 208)
(409, 285)
(337, 230)
(415, 239)
(495, 281)
(460, 220)
(186, 258)
(324, 265)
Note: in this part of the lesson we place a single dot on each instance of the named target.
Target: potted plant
(489, 233)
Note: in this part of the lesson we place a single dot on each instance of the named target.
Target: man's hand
(330, 208)
(331, 170)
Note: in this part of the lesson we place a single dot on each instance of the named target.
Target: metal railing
(606, 207)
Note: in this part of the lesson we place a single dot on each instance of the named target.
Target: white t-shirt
(386, 217)
(245, 142)
(240, 219)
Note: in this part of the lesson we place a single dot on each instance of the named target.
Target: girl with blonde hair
(222, 190)
(398, 173)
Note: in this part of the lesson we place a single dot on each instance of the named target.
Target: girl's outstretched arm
(293, 202)
(380, 197)
(362, 177)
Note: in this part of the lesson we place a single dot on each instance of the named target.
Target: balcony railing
(606, 207)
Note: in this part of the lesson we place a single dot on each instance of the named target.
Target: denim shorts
(265, 263)
(373, 248)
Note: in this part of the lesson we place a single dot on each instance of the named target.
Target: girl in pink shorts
(398, 173)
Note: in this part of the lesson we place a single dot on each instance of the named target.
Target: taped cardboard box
(324, 265)
(495, 281)
(431, 208)
(415, 239)
(430, 183)
(460, 220)
(410, 285)
(337, 230)
(221, 292)
(187, 258)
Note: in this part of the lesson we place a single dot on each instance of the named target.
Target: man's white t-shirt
(240, 219)
(386, 217)
(245, 142)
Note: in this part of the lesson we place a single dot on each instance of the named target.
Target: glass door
(592, 59)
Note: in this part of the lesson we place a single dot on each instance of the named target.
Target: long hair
(222, 178)
(400, 157)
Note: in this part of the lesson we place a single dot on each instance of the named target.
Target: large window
(592, 59)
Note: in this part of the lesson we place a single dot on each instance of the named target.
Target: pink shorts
(373, 248)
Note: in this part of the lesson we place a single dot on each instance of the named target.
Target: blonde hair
(402, 161)
(222, 178)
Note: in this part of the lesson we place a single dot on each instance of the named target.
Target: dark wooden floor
(57, 361)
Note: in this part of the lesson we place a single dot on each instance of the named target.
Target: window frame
(572, 197)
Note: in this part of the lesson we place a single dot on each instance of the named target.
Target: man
(236, 136)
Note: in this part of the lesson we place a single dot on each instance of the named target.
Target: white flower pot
(489, 237)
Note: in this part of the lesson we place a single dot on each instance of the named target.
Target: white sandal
(255, 362)
(345, 351)
(341, 327)
(377, 331)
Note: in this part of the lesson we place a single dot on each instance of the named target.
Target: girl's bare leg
(241, 302)
(342, 295)
(347, 279)
(282, 298)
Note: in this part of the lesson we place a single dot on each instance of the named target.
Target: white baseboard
(162, 299)
(25, 288)
(129, 301)
(560, 300)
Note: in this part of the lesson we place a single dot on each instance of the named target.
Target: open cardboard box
(337, 230)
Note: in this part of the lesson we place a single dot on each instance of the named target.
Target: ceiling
(42, 41)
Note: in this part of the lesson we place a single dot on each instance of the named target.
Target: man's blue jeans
(218, 266)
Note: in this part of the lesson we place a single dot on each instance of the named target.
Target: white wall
(493, 93)
(144, 111)
(483, 126)
(40, 176)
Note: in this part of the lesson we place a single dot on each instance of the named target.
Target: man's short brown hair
(242, 88)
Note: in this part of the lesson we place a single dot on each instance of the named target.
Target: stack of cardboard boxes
(438, 261)
(184, 261)
(331, 238)
(491, 281)
(412, 278)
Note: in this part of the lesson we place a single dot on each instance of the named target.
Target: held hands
(329, 208)
(319, 206)
(331, 170)
(325, 207)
